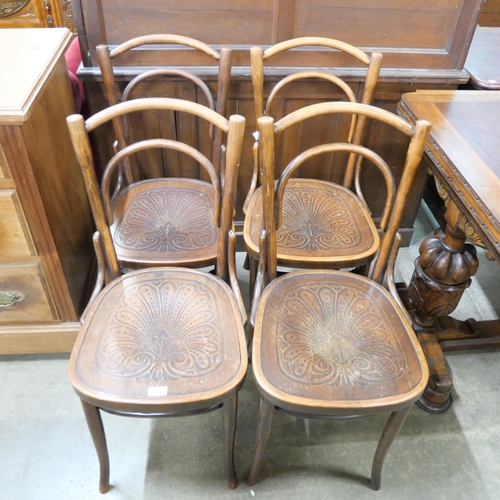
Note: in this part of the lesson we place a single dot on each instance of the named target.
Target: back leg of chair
(94, 422)
(229, 410)
(391, 430)
(263, 430)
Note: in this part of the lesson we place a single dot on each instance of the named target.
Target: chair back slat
(272, 197)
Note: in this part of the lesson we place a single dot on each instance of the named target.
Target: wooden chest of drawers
(46, 226)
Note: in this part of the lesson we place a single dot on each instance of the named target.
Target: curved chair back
(268, 130)
(105, 55)
(101, 208)
(357, 128)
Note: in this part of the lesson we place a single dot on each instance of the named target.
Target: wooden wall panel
(361, 23)
(4, 168)
(490, 13)
(248, 21)
(426, 34)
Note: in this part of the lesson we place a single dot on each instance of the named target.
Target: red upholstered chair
(73, 59)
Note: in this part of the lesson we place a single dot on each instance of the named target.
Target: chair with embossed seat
(162, 341)
(343, 245)
(165, 221)
(174, 177)
(329, 343)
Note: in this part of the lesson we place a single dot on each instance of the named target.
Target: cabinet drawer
(24, 295)
(15, 236)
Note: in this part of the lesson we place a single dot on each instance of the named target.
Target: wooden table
(464, 149)
(483, 60)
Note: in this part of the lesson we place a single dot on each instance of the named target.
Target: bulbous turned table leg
(443, 271)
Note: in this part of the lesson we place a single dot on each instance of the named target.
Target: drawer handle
(8, 299)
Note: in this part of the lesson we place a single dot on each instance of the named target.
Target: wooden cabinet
(37, 14)
(424, 43)
(46, 227)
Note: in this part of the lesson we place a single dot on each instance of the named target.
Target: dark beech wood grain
(330, 343)
(490, 14)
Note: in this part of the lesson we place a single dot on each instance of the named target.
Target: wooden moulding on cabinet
(46, 255)
(37, 14)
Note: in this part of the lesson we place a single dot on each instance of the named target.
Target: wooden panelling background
(490, 13)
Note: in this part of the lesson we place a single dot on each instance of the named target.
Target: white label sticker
(158, 390)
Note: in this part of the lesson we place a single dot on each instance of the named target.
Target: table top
(483, 60)
(27, 57)
(464, 144)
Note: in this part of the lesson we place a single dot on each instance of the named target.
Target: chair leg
(263, 430)
(363, 270)
(391, 430)
(94, 422)
(254, 265)
(229, 410)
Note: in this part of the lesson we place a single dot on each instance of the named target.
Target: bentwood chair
(163, 341)
(165, 221)
(327, 343)
(161, 81)
(340, 244)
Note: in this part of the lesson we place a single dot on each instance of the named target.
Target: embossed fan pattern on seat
(320, 220)
(169, 327)
(334, 335)
(316, 220)
(173, 220)
(161, 330)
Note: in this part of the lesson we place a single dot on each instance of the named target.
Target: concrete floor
(46, 451)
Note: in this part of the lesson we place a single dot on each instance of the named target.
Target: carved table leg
(443, 271)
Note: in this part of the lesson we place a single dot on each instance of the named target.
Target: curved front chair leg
(94, 422)
(391, 430)
(263, 430)
(229, 409)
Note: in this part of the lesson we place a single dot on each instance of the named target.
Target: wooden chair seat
(333, 343)
(160, 341)
(165, 222)
(324, 225)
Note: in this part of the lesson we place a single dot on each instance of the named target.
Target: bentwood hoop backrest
(234, 127)
(224, 58)
(373, 62)
(267, 131)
